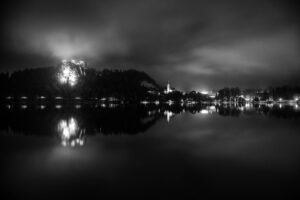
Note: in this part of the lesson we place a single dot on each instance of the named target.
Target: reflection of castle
(70, 133)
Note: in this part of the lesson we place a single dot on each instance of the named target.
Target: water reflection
(168, 115)
(73, 123)
(245, 148)
(70, 133)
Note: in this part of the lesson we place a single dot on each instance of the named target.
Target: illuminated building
(168, 89)
(70, 71)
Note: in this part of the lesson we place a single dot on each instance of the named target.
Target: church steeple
(168, 89)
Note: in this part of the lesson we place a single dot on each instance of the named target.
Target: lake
(150, 151)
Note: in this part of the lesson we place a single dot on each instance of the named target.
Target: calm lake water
(150, 151)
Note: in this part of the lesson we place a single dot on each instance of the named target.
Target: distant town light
(168, 89)
(41, 97)
(204, 92)
(144, 102)
(170, 102)
(204, 111)
(24, 106)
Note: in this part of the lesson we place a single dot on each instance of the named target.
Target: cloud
(266, 54)
(207, 39)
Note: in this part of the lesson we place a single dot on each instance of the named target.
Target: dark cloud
(194, 44)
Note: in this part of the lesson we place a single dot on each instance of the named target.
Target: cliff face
(125, 84)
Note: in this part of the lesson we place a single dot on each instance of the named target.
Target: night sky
(203, 44)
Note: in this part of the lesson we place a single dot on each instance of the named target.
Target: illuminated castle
(71, 70)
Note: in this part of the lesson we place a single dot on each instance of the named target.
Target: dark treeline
(228, 93)
(127, 85)
(270, 93)
(130, 84)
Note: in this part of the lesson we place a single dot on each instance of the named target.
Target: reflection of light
(280, 105)
(103, 105)
(280, 99)
(156, 102)
(112, 105)
(24, 106)
(68, 129)
(8, 106)
(81, 142)
(58, 97)
(77, 106)
(63, 143)
(212, 108)
(58, 106)
(70, 133)
(9, 97)
(42, 97)
(168, 114)
(23, 97)
(42, 107)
